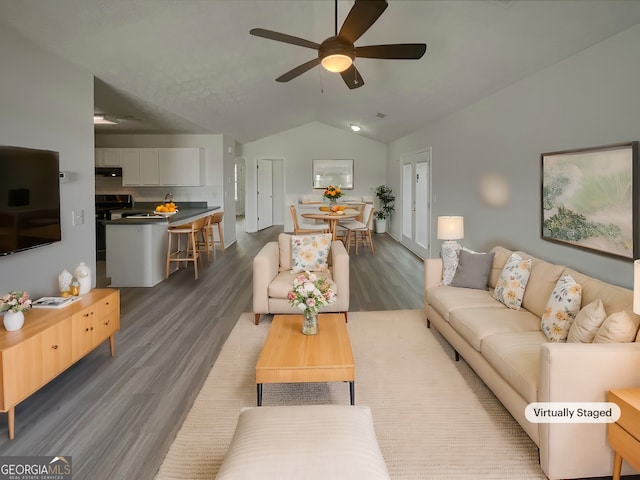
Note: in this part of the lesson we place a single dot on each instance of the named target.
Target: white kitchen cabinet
(180, 166)
(149, 166)
(108, 157)
(130, 158)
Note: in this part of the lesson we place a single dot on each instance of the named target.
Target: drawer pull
(87, 314)
(54, 347)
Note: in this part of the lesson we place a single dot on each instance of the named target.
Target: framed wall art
(590, 199)
(332, 172)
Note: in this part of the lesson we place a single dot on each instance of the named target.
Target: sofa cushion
(587, 322)
(475, 324)
(473, 270)
(562, 307)
(283, 283)
(447, 299)
(513, 281)
(617, 328)
(516, 357)
(284, 244)
(542, 281)
(310, 253)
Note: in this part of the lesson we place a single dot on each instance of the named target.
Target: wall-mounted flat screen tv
(29, 199)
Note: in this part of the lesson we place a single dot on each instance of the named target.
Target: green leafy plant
(387, 199)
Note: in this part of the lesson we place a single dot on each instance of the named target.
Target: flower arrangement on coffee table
(310, 292)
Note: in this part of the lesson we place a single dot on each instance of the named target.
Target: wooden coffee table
(289, 356)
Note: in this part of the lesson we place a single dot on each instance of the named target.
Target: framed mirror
(338, 172)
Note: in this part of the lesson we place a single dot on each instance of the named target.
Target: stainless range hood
(109, 171)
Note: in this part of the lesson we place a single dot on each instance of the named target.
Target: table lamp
(450, 229)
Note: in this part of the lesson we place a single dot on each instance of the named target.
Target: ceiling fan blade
(299, 70)
(406, 51)
(283, 37)
(362, 15)
(352, 77)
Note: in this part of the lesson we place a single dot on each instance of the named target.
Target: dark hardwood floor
(117, 417)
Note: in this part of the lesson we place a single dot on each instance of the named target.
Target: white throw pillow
(587, 322)
(449, 254)
(617, 328)
(310, 253)
(513, 281)
(562, 307)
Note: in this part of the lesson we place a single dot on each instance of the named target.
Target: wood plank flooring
(117, 417)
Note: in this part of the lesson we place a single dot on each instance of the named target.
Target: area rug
(434, 418)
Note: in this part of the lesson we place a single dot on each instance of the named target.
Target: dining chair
(305, 227)
(360, 232)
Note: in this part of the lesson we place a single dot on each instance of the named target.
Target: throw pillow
(513, 281)
(449, 262)
(473, 270)
(587, 323)
(617, 328)
(310, 253)
(562, 307)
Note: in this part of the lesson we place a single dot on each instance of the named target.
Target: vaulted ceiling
(190, 66)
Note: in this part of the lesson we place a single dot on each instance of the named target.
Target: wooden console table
(52, 340)
(624, 435)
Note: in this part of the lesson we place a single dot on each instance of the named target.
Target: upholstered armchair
(273, 277)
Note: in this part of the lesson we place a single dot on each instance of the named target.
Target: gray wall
(587, 100)
(47, 103)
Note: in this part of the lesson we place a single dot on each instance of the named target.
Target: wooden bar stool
(216, 219)
(191, 254)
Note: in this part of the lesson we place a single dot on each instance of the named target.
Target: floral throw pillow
(562, 308)
(310, 253)
(449, 255)
(513, 281)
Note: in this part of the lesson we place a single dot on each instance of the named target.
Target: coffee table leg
(352, 392)
(259, 387)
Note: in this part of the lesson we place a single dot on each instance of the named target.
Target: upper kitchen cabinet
(180, 166)
(140, 166)
(108, 157)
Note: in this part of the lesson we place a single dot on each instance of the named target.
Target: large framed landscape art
(590, 199)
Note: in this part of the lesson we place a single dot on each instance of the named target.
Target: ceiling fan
(337, 53)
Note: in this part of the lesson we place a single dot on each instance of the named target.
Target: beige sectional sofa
(509, 351)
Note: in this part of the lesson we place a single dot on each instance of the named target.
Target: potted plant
(387, 199)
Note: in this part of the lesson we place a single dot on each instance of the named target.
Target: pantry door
(416, 192)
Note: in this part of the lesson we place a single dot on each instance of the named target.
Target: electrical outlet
(77, 217)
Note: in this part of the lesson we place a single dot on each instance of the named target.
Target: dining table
(332, 218)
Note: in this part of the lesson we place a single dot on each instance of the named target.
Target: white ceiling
(190, 66)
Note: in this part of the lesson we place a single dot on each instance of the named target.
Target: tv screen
(29, 199)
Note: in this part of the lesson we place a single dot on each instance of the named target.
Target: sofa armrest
(579, 372)
(265, 268)
(340, 274)
(432, 272)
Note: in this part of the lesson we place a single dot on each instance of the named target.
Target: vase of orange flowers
(333, 193)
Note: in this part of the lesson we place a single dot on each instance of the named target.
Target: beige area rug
(434, 418)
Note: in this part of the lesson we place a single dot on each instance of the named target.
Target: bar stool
(216, 219)
(191, 254)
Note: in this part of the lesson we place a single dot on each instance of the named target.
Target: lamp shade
(636, 287)
(450, 228)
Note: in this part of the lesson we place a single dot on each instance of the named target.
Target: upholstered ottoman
(310, 442)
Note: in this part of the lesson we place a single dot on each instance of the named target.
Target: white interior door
(265, 193)
(415, 202)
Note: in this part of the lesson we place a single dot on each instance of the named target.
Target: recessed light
(355, 128)
(102, 119)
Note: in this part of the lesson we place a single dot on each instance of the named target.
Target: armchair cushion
(310, 253)
(283, 283)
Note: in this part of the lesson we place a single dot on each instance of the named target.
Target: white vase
(83, 275)
(13, 320)
(64, 281)
(381, 225)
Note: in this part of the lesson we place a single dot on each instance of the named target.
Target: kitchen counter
(137, 247)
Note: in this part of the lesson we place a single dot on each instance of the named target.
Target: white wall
(47, 103)
(297, 148)
(587, 100)
(219, 161)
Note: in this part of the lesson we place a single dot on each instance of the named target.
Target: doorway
(416, 194)
(265, 194)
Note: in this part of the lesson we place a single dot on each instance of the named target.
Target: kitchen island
(137, 243)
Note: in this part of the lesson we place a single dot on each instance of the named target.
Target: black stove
(104, 204)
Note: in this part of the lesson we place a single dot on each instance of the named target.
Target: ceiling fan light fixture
(337, 62)
(102, 119)
(355, 128)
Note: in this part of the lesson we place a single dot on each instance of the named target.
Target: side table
(624, 435)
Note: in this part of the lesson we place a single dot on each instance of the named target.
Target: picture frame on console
(589, 199)
(338, 172)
